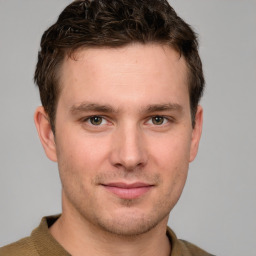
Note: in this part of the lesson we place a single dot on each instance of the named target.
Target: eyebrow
(86, 107)
(163, 107)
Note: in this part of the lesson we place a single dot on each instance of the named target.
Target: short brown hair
(114, 23)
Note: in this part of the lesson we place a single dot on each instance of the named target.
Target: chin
(130, 224)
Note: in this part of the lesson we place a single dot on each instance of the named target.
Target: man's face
(124, 137)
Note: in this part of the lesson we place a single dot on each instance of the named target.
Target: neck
(78, 236)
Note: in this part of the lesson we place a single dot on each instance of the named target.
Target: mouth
(128, 191)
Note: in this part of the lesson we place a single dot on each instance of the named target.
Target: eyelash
(88, 119)
(165, 120)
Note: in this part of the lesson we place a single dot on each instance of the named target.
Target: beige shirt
(42, 243)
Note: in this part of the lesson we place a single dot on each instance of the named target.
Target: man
(120, 82)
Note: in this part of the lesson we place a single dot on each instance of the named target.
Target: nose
(128, 148)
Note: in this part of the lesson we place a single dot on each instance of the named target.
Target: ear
(45, 133)
(196, 133)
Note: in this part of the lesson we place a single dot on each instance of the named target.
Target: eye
(96, 120)
(158, 120)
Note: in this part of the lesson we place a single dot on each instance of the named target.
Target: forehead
(133, 68)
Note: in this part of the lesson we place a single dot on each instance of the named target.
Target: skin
(123, 117)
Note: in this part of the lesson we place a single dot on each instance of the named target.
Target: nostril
(130, 164)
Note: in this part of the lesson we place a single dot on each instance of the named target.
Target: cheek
(82, 154)
(172, 150)
(78, 162)
(171, 157)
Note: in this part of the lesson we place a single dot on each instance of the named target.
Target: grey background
(218, 207)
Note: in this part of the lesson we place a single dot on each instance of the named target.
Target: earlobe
(45, 133)
(196, 133)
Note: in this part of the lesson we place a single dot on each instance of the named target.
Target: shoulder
(23, 247)
(184, 248)
(193, 250)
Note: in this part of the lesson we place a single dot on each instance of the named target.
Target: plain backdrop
(217, 210)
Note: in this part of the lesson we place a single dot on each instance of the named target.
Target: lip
(128, 191)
